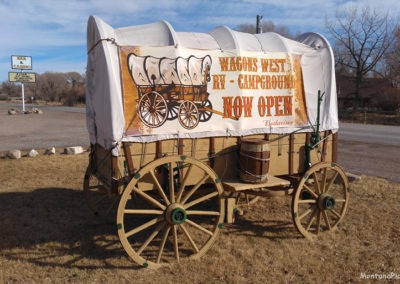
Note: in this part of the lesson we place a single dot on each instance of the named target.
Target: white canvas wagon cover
(147, 83)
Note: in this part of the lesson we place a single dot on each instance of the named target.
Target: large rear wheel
(171, 209)
(153, 109)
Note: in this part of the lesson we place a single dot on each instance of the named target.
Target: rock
(14, 154)
(73, 150)
(50, 151)
(33, 153)
(37, 111)
(12, 111)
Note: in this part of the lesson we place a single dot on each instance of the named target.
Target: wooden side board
(287, 157)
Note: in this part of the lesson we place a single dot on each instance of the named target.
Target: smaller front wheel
(188, 115)
(321, 199)
(102, 201)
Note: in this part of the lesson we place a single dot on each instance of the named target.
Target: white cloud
(40, 28)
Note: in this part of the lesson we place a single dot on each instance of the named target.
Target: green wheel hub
(175, 214)
(178, 216)
(326, 202)
(329, 203)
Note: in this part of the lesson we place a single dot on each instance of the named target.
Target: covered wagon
(185, 126)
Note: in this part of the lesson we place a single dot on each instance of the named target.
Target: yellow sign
(23, 77)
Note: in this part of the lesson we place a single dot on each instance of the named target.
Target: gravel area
(56, 127)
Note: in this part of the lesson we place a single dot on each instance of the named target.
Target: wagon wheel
(153, 109)
(171, 209)
(99, 197)
(246, 199)
(188, 115)
(173, 108)
(205, 115)
(321, 199)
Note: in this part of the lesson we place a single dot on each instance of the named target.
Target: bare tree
(52, 86)
(77, 90)
(266, 26)
(11, 89)
(362, 37)
(393, 61)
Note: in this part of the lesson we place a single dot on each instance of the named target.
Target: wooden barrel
(254, 160)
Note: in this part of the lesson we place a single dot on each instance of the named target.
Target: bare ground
(48, 235)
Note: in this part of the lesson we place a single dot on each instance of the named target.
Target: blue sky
(53, 32)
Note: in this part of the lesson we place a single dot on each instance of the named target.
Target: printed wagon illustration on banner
(172, 89)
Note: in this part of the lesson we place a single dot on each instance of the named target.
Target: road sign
(21, 62)
(23, 77)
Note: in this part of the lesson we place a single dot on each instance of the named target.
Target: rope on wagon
(112, 40)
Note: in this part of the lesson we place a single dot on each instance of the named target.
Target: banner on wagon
(169, 91)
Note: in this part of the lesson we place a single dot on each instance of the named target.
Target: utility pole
(258, 24)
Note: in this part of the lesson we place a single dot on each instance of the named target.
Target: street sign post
(22, 62)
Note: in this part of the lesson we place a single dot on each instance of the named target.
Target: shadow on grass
(54, 227)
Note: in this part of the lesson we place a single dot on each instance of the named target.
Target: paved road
(367, 133)
(56, 127)
(372, 150)
(363, 149)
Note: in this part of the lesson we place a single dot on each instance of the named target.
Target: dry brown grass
(48, 235)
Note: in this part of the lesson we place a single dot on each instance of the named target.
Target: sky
(53, 32)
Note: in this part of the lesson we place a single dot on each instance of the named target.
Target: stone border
(17, 154)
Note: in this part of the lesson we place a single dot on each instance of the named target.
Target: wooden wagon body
(175, 184)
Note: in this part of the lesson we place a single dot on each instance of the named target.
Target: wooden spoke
(194, 189)
(191, 241)
(201, 199)
(316, 183)
(143, 227)
(246, 199)
(171, 183)
(328, 187)
(176, 246)
(159, 188)
(150, 238)
(305, 214)
(314, 213)
(322, 205)
(336, 213)
(143, 211)
(309, 190)
(307, 201)
(205, 213)
(153, 224)
(323, 182)
(197, 226)
(148, 198)
(164, 240)
(318, 222)
(183, 185)
(326, 220)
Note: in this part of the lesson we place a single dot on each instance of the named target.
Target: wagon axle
(326, 202)
(175, 214)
